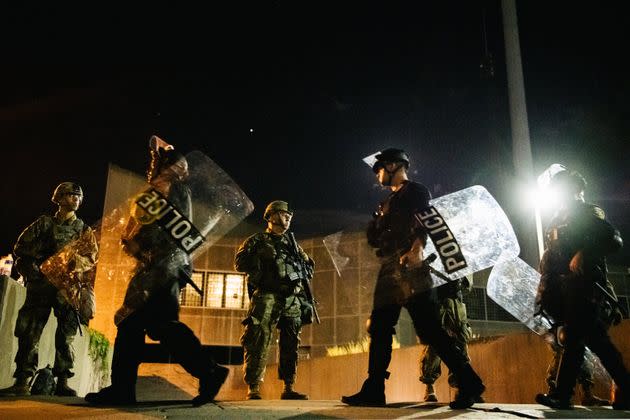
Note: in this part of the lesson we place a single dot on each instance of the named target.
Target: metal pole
(521, 146)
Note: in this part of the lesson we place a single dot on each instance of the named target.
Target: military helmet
(67, 188)
(390, 155)
(275, 206)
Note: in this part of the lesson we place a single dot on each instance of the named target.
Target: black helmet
(390, 155)
(569, 181)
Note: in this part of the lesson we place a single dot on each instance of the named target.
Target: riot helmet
(163, 159)
(568, 185)
(276, 206)
(391, 155)
(67, 188)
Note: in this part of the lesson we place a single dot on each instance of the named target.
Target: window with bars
(220, 290)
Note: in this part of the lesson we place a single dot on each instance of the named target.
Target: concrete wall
(513, 369)
(88, 376)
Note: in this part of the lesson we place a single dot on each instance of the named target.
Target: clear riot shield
(218, 204)
(513, 284)
(469, 232)
(72, 270)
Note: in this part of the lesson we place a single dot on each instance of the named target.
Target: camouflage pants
(41, 297)
(455, 322)
(266, 312)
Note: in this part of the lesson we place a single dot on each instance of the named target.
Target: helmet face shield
(378, 160)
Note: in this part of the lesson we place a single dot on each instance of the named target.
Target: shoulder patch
(598, 212)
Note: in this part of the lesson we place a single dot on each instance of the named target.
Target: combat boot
(62, 389)
(290, 394)
(372, 394)
(111, 396)
(210, 385)
(20, 388)
(429, 394)
(554, 401)
(253, 393)
(467, 397)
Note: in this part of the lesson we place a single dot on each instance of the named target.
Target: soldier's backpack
(43, 382)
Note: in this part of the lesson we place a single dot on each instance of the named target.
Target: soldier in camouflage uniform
(455, 322)
(42, 239)
(275, 266)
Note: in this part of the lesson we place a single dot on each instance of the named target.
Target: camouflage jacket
(43, 239)
(273, 264)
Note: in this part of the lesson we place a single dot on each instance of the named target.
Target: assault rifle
(306, 285)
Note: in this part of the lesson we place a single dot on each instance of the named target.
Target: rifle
(305, 282)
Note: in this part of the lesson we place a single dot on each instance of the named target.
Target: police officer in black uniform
(151, 304)
(571, 289)
(400, 240)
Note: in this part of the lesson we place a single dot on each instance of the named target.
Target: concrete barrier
(89, 375)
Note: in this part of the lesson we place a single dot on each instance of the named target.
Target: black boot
(554, 401)
(62, 389)
(21, 388)
(290, 394)
(111, 396)
(210, 385)
(470, 389)
(372, 394)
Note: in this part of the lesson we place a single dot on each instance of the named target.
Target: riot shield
(72, 270)
(331, 243)
(469, 232)
(214, 205)
(513, 284)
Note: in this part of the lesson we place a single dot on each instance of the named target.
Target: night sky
(321, 85)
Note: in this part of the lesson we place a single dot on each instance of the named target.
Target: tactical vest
(284, 274)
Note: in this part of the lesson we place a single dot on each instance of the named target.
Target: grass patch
(355, 347)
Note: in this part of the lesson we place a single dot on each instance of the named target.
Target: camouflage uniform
(275, 301)
(39, 241)
(455, 321)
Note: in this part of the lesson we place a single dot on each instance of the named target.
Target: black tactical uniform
(574, 300)
(151, 307)
(392, 232)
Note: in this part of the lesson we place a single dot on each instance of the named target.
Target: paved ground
(49, 408)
